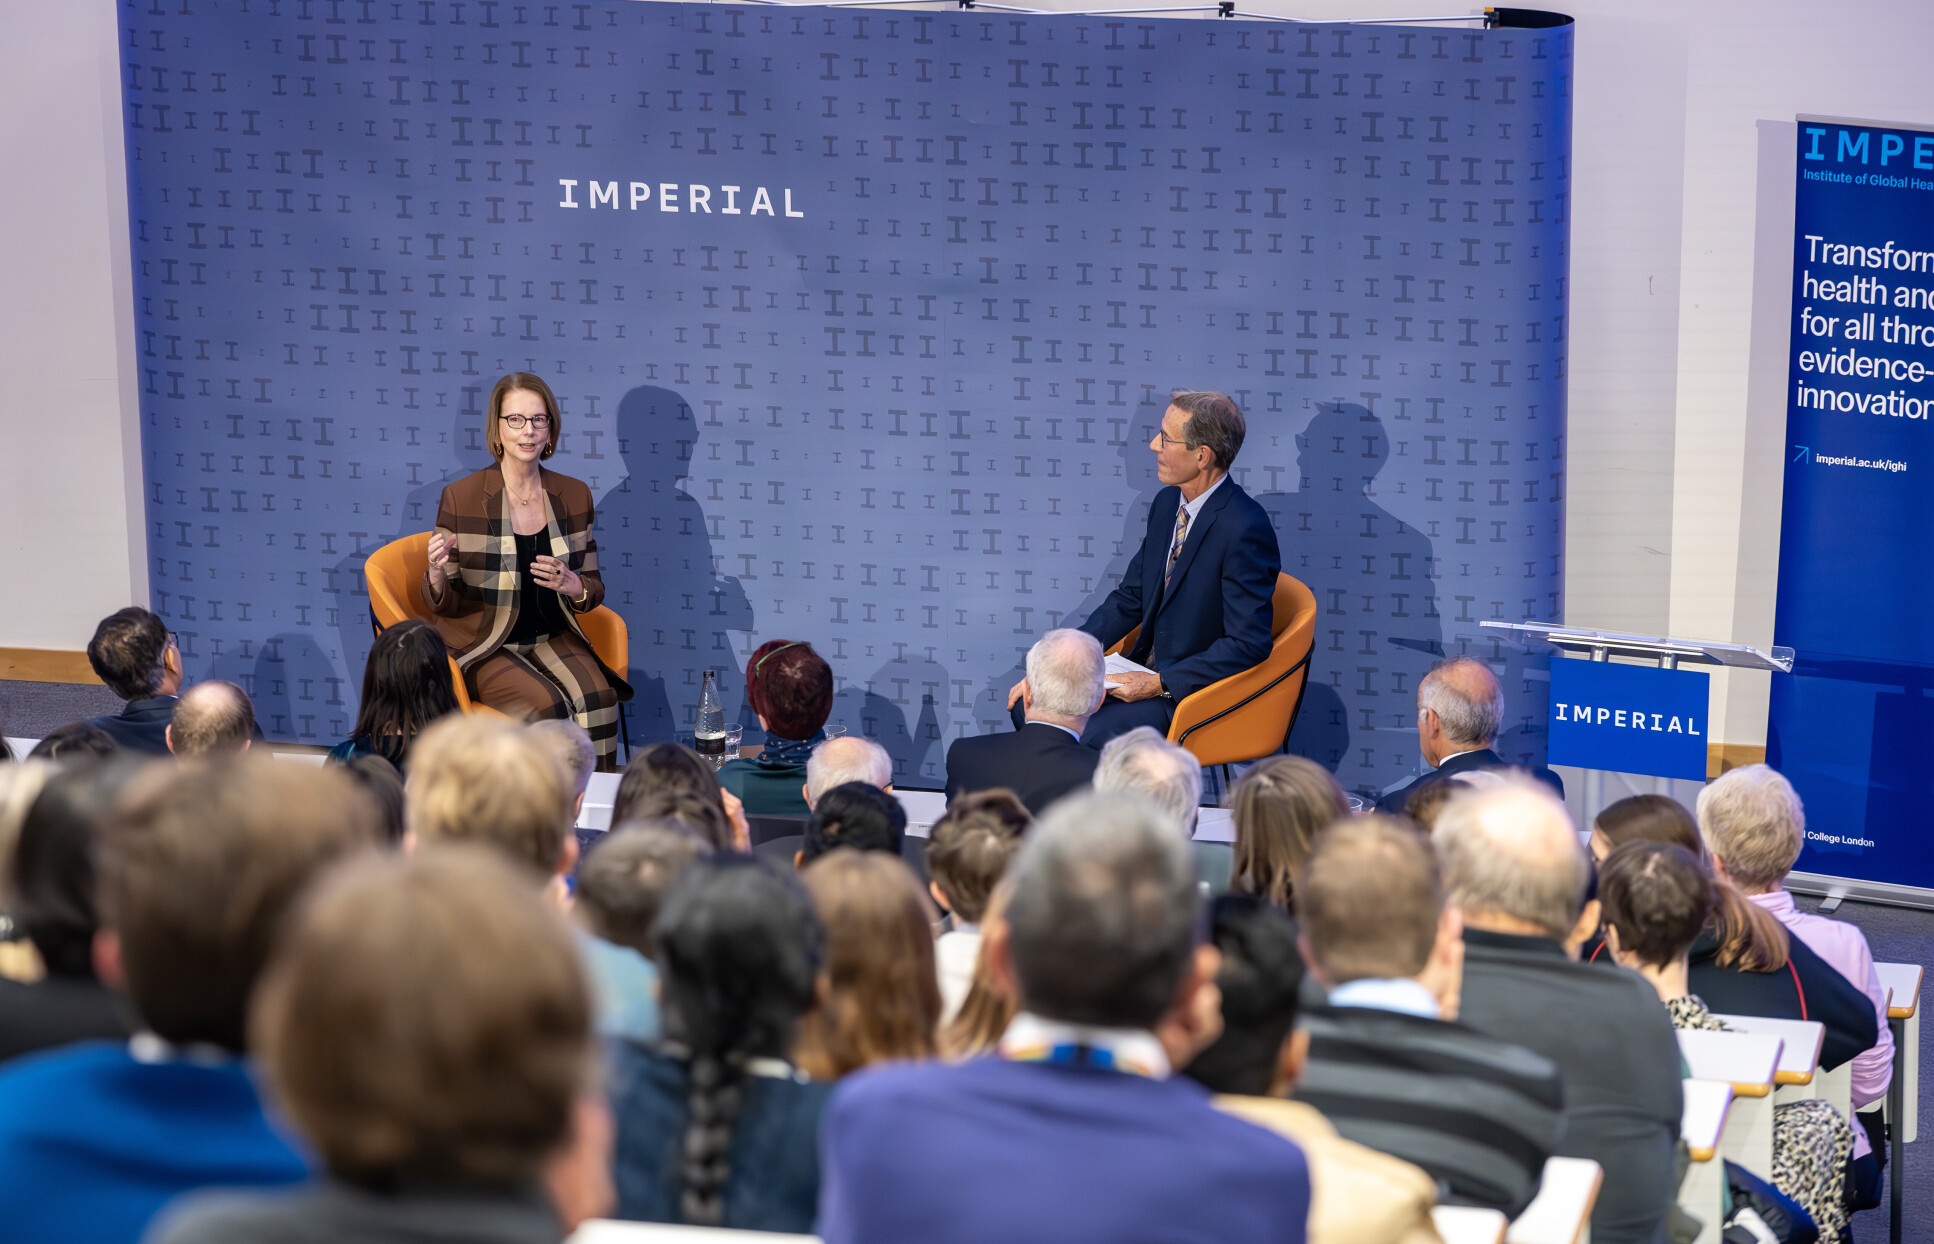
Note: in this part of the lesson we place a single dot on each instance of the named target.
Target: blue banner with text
(1629, 718)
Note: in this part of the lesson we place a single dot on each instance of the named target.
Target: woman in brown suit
(512, 565)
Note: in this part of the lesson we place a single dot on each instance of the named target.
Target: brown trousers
(558, 676)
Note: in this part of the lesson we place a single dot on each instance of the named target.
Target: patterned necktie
(1181, 536)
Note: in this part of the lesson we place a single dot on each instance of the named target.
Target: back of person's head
(739, 949)
(128, 652)
(1066, 674)
(1424, 804)
(685, 811)
(791, 687)
(857, 815)
(625, 877)
(425, 1023)
(50, 878)
(970, 846)
(406, 686)
(1465, 695)
(199, 866)
(1142, 762)
(1279, 806)
(1511, 851)
(663, 768)
(1648, 818)
(478, 779)
(1261, 974)
(1103, 914)
(847, 759)
(379, 780)
(75, 741)
(1753, 824)
(1657, 897)
(570, 746)
(210, 717)
(882, 997)
(1369, 901)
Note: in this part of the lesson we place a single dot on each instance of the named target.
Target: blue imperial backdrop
(897, 401)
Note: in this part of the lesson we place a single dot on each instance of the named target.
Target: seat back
(392, 574)
(1248, 715)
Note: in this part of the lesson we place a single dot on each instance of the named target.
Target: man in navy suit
(1045, 758)
(133, 653)
(1202, 584)
(1460, 712)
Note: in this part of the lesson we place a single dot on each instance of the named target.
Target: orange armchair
(393, 573)
(1249, 715)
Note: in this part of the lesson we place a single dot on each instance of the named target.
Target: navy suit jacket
(1038, 762)
(1214, 620)
(142, 726)
(1464, 762)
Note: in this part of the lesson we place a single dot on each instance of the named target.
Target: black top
(1807, 988)
(59, 1010)
(539, 611)
(1038, 762)
(142, 726)
(1465, 762)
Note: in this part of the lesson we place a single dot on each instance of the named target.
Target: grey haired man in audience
(1045, 758)
(1460, 713)
(213, 717)
(1516, 870)
(846, 759)
(1144, 763)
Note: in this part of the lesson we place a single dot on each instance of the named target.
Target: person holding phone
(512, 565)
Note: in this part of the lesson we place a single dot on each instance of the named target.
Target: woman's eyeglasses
(516, 422)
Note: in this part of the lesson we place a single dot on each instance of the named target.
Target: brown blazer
(480, 607)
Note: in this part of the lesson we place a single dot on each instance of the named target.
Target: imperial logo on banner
(1629, 718)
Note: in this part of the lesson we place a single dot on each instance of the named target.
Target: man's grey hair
(847, 759)
(1067, 673)
(1103, 913)
(571, 744)
(1214, 420)
(1144, 763)
(1474, 722)
(1753, 821)
(1512, 850)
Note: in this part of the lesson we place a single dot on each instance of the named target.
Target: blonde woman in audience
(1657, 898)
(1279, 806)
(989, 1005)
(968, 851)
(882, 996)
(469, 1111)
(478, 779)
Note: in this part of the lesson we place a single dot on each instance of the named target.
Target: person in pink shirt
(1753, 825)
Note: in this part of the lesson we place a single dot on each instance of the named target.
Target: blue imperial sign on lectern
(1629, 718)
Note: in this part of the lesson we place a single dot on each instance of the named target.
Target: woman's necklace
(530, 500)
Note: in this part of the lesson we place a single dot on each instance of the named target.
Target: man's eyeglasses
(1168, 440)
(516, 422)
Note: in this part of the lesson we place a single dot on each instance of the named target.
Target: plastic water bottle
(708, 733)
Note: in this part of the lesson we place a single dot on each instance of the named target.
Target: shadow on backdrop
(299, 694)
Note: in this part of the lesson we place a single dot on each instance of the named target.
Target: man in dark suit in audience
(1460, 712)
(1202, 584)
(1517, 872)
(1044, 759)
(1377, 933)
(136, 657)
(1076, 1132)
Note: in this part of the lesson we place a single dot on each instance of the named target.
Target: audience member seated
(1428, 800)
(1045, 758)
(133, 653)
(989, 1005)
(198, 867)
(49, 893)
(1460, 712)
(857, 815)
(1279, 806)
(379, 780)
(77, 741)
(1076, 1133)
(1644, 818)
(479, 779)
(968, 850)
(210, 718)
(881, 1000)
(1754, 827)
(1517, 872)
(469, 1113)
(621, 886)
(790, 689)
(715, 1126)
(1357, 1195)
(1377, 933)
(660, 769)
(406, 687)
(576, 755)
(1143, 763)
(847, 759)
(1657, 898)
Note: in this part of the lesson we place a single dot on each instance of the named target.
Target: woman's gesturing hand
(549, 572)
(440, 550)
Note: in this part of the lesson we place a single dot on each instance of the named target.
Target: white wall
(1683, 207)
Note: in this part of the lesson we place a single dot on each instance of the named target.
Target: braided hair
(739, 948)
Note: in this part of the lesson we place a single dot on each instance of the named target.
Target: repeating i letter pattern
(909, 423)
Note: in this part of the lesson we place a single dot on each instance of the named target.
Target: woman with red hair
(790, 687)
